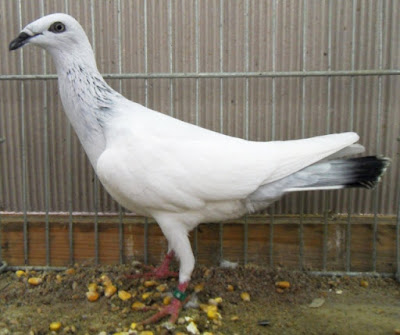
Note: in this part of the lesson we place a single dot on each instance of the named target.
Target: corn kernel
(133, 325)
(146, 295)
(150, 283)
(167, 300)
(110, 290)
(35, 281)
(55, 326)
(206, 308)
(282, 284)
(146, 332)
(234, 318)
(230, 288)
(92, 287)
(161, 288)
(245, 296)
(20, 273)
(92, 296)
(106, 281)
(70, 271)
(199, 287)
(218, 300)
(123, 295)
(137, 305)
(213, 315)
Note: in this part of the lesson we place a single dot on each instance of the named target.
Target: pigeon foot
(173, 309)
(160, 272)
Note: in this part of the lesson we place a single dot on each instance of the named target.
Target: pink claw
(160, 272)
(172, 309)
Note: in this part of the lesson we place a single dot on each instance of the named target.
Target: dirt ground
(350, 305)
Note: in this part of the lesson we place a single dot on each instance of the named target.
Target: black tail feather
(366, 171)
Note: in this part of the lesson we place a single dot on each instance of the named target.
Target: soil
(350, 305)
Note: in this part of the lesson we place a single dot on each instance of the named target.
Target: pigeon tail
(364, 172)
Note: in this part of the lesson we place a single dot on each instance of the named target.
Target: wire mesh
(221, 76)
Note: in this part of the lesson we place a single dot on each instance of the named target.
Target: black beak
(21, 40)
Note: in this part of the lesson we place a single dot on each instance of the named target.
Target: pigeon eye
(57, 27)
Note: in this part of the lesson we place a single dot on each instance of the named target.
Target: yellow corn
(35, 281)
(92, 296)
(109, 291)
(245, 296)
(123, 295)
(54, 326)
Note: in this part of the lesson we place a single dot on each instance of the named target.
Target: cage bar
(273, 126)
(246, 112)
(351, 126)
(398, 238)
(221, 107)
(378, 132)
(46, 153)
(182, 75)
(95, 178)
(23, 147)
(325, 195)
(303, 111)
(197, 112)
(120, 209)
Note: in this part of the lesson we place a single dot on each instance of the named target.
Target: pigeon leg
(160, 272)
(173, 308)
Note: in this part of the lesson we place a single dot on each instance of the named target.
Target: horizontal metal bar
(36, 268)
(351, 274)
(314, 273)
(177, 75)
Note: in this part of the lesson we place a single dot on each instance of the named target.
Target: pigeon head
(53, 32)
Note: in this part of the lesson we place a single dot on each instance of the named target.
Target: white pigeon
(178, 173)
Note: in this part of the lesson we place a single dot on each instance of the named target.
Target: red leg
(172, 309)
(160, 272)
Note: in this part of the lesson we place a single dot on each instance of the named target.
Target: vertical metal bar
(95, 179)
(246, 66)
(1, 243)
(378, 134)
(23, 147)
(46, 153)
(398, 238)
(328, 128)
(351, 192)
(221, 106)
(197, 56)
(146, 70)
(170, 46)
(273, 126)
(146, 241)
(69, 182)
(146, 102)
(303, 110)
(69, 194)
(120, 210)
(246, 108)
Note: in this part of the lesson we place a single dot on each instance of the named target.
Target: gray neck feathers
(88, 102)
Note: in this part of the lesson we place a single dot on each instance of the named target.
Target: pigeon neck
(88, 101)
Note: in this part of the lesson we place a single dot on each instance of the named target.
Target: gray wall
(43, 167)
